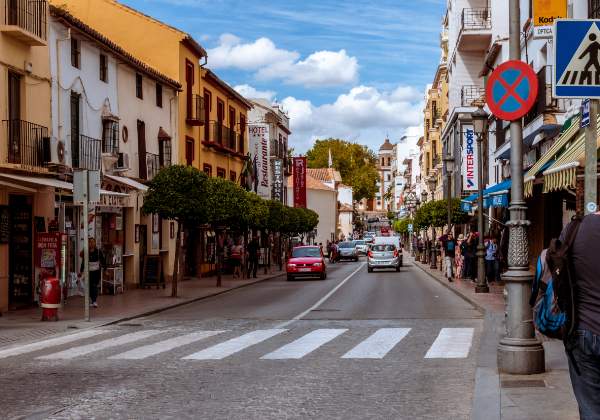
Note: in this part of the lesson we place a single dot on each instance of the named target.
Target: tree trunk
(176, 263)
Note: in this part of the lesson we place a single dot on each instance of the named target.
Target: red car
(306, 261)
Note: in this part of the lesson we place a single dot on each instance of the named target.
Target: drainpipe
(58, 96)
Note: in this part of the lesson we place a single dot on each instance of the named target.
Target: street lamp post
(427, 246)
(431, 182)
(449, 162)
(480, 126)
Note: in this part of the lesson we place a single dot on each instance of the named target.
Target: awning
(494, 196)
(53, 183)
(572, 129)
(128, 182)
(543, 132)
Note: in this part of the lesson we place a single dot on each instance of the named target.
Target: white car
(361, 246)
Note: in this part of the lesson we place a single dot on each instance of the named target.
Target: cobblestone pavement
(383, 345)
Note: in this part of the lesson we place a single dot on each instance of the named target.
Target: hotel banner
(300, 182)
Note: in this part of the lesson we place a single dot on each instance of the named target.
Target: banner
(469, 159)
(259, 153)
(544, 14)
(300, 182)
(277, 193)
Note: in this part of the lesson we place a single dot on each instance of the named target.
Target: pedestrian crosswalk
(266, 344)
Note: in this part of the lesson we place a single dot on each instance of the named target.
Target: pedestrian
(459, 258)
(321, 247)
(96, 264)
(253, 252)
(237, 251)
(584, 343)
(449, 245)
(491, 259)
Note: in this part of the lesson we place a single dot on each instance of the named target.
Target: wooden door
(141, 133)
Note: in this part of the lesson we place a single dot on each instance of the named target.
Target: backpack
(552, 294)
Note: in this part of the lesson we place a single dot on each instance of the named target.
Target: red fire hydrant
(50, 298)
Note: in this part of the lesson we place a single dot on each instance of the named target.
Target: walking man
(95, 264)
(449, 244)
(585, 342)
(253, 251)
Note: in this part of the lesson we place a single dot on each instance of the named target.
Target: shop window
(139, 90)
(189, 151)
(104, 68)
(159, 95)
(232, 176)
(221, 173)
(207, 169)
(75, 53)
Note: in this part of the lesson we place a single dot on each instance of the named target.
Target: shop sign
(48, 249)
(109, 200)
(259, 153)
(299, 182)
(278, 180)
(469, 160)
(544, 14)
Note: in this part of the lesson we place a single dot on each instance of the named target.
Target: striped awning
(565, 137)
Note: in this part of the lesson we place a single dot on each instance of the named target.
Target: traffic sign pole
(591, 161)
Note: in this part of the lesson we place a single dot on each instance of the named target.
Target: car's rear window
(346, 245)
(306, 252)
(361, 242)
(383, 248)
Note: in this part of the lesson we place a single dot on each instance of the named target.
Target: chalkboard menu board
(152, 274)
(4, 224)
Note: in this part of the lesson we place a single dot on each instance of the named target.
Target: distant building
(384, 166)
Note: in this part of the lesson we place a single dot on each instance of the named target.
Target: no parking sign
(511, 90)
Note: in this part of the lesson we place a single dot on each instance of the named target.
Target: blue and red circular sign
(511, 90)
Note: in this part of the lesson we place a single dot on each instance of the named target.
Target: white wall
(324, 203)
(345, 195)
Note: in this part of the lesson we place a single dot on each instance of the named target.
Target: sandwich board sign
(576, 58)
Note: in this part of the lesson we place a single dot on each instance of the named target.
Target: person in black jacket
(95, 265)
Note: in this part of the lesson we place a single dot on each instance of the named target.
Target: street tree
(177, 193)
(356, 163)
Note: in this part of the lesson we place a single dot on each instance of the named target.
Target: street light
(480, 126)
(449, 162)
(431, 181)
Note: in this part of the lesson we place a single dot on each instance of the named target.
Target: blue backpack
(548, 318)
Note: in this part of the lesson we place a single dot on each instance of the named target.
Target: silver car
(384, 256)
(361, 246)
(347, 251)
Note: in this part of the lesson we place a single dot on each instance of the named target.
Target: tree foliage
(401, 225)
(435, 214)
(356, 163)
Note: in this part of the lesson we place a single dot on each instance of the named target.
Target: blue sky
(356, 70)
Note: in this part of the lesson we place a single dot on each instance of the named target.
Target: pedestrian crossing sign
(577, 58)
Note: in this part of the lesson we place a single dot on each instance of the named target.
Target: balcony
(475, 29)
(152, 166)
(195, 111)
(471, 94)
(25, 20)
(85, 153)
(545, 103)
(26, 146)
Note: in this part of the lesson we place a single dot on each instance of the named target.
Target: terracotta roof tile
(311, 183)
(325, 174)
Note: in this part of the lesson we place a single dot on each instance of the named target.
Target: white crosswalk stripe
(51, 342)
(229, 347)
(165, 345)
(378, 344)
(451, 343)
(74, 352)
(305, 344)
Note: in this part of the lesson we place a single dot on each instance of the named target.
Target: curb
(457, 292)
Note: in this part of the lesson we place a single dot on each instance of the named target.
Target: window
(221, 173)
(189, 83)
(189, 150)
(242, 133)
(164, 152)
(159, 95)
(110, 136)
(75, 53)
(382, 161)
(139, 90)
(232, 176)
(207, 109)
(103, 67)
(594, 9)
(207, 169)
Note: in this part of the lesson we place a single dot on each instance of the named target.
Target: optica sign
(469, 160)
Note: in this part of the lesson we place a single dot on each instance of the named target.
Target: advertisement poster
(300, 182)
(278, 180)
(469, 159)
(259, 153)
(544, 14)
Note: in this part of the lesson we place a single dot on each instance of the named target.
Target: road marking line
(229, 347)
(378, 344)
(451, 343)
(163, 346)
(51, 342)
(322, 300)
(305, 345)
(74, 352)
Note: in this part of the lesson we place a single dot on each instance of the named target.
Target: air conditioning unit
(54, 151)
(122, 163)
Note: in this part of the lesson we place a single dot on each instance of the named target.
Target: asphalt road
(384, 345)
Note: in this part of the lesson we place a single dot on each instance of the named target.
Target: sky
(352, 70)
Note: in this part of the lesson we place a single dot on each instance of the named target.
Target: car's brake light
(370, 254)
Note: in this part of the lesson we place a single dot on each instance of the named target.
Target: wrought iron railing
(470, 94)
(152, 166)
(220, 134)
(27, 14)
(476, 19)
(25, 143)
(85, 153)
(195, 110)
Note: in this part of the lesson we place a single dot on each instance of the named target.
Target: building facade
(384, 194)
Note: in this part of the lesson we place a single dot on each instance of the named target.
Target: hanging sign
(299, 182)
(259, 153)
(545, 12)
(511, 90)
(469, 159)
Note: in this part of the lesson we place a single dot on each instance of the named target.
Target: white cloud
(321, 68)
(250, 92)
(364, 114)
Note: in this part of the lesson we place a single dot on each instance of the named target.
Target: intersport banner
(469, 159)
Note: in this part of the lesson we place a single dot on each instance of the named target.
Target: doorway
(20, 254)
(143, 250)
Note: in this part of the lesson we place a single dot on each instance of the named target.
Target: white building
(385, 182)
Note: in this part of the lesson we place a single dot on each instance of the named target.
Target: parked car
(361, 246)
(347, 251)
(384, 256)
(306, 261)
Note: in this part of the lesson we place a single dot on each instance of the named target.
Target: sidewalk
(26, 325)
(502, 396)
